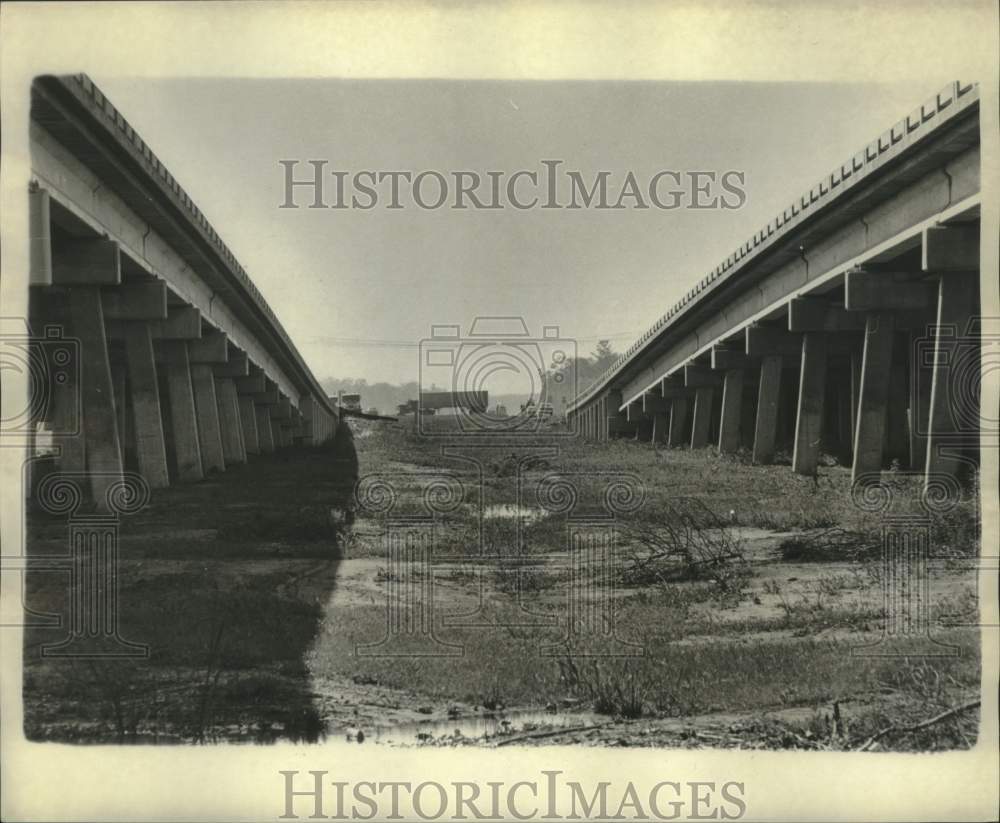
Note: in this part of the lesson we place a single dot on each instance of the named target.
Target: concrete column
(248, 422)
(678, 416)
(265, 434)
(897, 437)
(766, 428)
(748, 412)
(855, 392)
(307, 405)
(845, 416)
(952, 409)
(702, 417)
(101, 443)
(613, 420)
(144, 392)
(661, 425)
(229, 421)
(183, 420)
(919, 401)
(876, 363)
(729, 419)
(809, 413)
(207, 411)
(644, 430)
(119, 380)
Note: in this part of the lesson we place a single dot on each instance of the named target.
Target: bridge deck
(806, 337)
(179, 366)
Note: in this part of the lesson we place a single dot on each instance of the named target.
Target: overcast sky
(334, 276)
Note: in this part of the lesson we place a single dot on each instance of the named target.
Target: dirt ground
(451, 607)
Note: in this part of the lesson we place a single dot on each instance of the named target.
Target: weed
(616, 688)
(682, 539)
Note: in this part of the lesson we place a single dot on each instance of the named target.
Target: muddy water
(510, 511)
(484, 727)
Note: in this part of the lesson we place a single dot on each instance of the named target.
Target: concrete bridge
(160, 355)
(849, 324)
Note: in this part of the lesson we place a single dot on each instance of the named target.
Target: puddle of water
(484, 727)
(510, 511)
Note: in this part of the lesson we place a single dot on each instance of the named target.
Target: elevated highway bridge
(160, 355)
(850, 324)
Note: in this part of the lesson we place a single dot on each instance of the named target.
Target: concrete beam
(671, 392)
(253, 384)
(876, 363)
(211, 348)
(725, 358)
(270, 397)
(182, 323)
(135, 301)
(809, 414)
(814, 314)
(769, 341)
(951, 248)
(100, 209)
(879, 291)
(91, 262)
(238, 364)
(699, 376)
